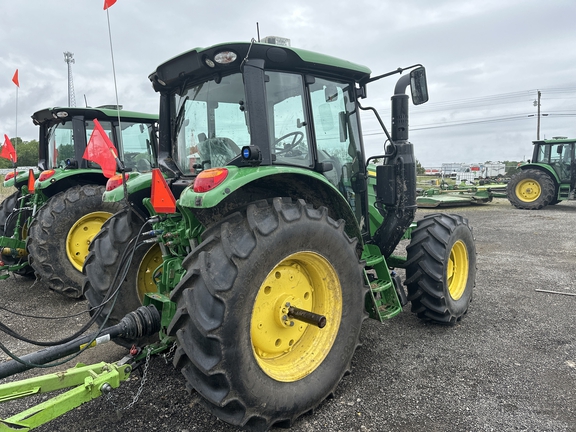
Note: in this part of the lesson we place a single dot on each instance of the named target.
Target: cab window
(288, 131)
(137, 146)
(337, 133)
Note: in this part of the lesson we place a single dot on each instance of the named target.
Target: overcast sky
(485, 60)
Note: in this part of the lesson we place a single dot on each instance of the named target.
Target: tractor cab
(558, 153)
(289, 112)
(549, 179)
(65, 132)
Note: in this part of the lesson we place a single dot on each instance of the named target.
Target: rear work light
(162, 199)
(115, 181)
(209, 179)
(45, 175)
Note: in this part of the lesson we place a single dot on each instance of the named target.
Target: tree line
(27, 152)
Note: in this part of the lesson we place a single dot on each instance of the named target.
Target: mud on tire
(104, 258)
(60, 234)
(235, 345)
(441, 268)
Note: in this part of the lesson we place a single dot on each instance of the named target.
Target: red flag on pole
(108, 3)
(15, 77)
(101, 150)
(8, 151)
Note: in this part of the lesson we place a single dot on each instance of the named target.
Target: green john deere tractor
(283, 234)
(265, 238)
(548, 179)
(52, 217)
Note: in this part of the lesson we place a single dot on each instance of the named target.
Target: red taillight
(115, 181)
(31, 181)
(162, 199)
(209, 179)
(9, 176)
(45, 175)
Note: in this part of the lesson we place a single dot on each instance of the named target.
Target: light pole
(69, 58)
(537, 104)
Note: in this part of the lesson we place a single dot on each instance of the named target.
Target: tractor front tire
(239, 347)
(61, 232)
(441, 268)
(531, 189)
(104, 259)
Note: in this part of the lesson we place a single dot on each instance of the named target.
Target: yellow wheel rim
(528, 190)
(457, 270)
(148, 265)
(80, 236)
(286, 349)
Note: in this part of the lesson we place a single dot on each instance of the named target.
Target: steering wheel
(298, 138)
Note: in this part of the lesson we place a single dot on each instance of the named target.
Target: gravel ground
(510, 365)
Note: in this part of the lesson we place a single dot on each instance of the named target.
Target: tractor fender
(542, 167)
(64, 179)
(136, 183)
(246, 185)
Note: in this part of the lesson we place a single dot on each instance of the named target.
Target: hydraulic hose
(144, 321)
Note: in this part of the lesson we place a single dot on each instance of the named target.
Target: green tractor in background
(548, 179)
(49, 222)
(267, 236)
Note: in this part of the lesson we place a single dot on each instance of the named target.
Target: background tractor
(267, 236)
(548, 179)
(52, 217)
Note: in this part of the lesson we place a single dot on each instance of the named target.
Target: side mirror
(418, 85)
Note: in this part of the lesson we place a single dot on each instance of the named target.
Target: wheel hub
(457, 270)
(81, 234)
(146, 281)
(289, 349)
(528, 190)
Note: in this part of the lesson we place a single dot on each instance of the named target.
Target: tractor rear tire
(531, 189)
(236, 346)
(8, 220)
(102, 263)
(441, 268)
(61, 232)
(7, 207)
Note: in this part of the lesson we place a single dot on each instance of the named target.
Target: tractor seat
(217, 152)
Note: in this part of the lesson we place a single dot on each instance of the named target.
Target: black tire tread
(8, 218)
(202, 310)
(428, 252)
(101, 264)
(548, 188)
(46, 241)
(7, 207)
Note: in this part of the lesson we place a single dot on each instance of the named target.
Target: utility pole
(537, 104)
(69, 58)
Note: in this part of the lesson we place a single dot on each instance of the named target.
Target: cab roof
(199, 63)
(562, 140)
(100, 113)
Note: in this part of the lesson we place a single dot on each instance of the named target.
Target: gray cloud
(472, 50)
